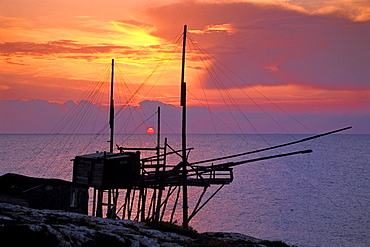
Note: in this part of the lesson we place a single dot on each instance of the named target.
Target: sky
(304, 62)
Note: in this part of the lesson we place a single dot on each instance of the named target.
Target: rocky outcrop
(22, 226)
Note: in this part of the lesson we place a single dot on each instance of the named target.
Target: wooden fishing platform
(150, 186)
(142, 181)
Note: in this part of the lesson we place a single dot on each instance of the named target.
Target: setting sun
(238, 90)
(51, 54)
(150, 131)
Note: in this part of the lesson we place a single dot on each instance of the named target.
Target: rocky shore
(21, 226)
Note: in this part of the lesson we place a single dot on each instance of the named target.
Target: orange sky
(305, 56)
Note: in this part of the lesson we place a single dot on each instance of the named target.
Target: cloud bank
(37, 116)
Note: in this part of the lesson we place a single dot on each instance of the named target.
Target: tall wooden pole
(185, 221)
(111, 114)
(160, 191)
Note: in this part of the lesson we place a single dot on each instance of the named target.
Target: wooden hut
(41, 193)
(107, 170)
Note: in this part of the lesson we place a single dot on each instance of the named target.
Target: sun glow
(54, 53)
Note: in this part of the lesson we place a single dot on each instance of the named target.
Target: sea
(320, 198)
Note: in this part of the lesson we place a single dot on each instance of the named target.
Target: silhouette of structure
(42, 193)
(151, 187)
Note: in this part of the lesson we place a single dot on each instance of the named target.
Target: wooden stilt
(143, 205)
(99, 206)
(94, 203)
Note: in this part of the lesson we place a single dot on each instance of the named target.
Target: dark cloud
(273, 45)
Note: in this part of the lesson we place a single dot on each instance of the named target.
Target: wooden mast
(160, 190)
(185, 222)
(111, 113)
(111, 211)
(111, 207)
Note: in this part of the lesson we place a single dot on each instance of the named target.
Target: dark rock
(22, 226)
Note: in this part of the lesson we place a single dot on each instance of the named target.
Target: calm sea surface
(316, 199)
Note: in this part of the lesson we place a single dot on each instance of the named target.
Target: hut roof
(16, 184)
